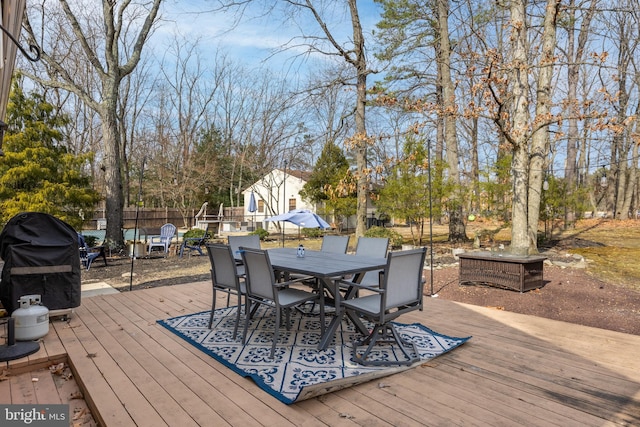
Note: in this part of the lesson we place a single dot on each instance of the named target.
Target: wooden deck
(516, 370)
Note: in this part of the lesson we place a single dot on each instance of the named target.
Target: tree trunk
(540, 137)
(475, 168)
(632, 172)
(112, 168)
(360, 64)
(456, 222)
(618, 149)
(439, 148)
(573, 69)
(520, 163)
(361, 157)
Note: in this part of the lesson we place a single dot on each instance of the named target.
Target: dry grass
(614, 264)
(611, 248)
(616, 261)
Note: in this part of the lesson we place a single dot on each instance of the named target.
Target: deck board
(178, 381)
(518, 406)
(22, 390)
(45, 389)
(104, 401)
(516, 370)
(197, 369)
(138, 368)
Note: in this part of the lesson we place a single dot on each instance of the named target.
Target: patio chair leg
(238, 312)
(384, 334)
(213, 309)
(287, 318)
(246, 327)
(254, 309)
(322, 325)
(403, 346)
(275, 334)
(371, 340)
(248, 314)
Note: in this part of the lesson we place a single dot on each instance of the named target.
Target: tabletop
(323, 264)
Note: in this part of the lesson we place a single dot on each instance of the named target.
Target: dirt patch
(123, 274)
(570, 294)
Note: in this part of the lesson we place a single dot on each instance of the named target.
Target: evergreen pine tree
(37, 172)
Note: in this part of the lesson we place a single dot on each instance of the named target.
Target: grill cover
(40, 254)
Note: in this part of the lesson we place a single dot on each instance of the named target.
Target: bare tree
(99, 42)
(519, 80)
(576, 55)
(416, 34)
(185, 97)
(328, 105)
(325, 42)
(624, 144)
(134, 99)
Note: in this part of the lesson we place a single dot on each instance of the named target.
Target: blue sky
(254, 39)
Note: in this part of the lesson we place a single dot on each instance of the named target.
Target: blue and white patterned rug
(298, 371)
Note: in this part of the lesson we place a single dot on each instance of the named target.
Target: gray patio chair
(262, 288)
(224, 278)
(372, 247)
(400, 292)
(246, 241)
(335, 244)
(375, 247)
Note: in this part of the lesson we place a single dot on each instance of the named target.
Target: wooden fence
(156, 217)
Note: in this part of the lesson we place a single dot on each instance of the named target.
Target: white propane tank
(32, 319)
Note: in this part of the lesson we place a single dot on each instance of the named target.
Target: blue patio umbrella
(301, 218)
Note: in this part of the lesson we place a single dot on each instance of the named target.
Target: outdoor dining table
(326, 267)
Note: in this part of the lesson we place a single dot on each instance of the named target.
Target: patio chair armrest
(360, 286)
(291, 282)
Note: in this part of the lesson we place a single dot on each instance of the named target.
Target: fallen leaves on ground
(57, 369)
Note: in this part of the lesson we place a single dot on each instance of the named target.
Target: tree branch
(77, 30)
(142, 38)
(68, 86)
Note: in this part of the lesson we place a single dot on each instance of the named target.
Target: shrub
(194, 233)
(395, 238)
(90, 240)
(312, 232)
(261, 232)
